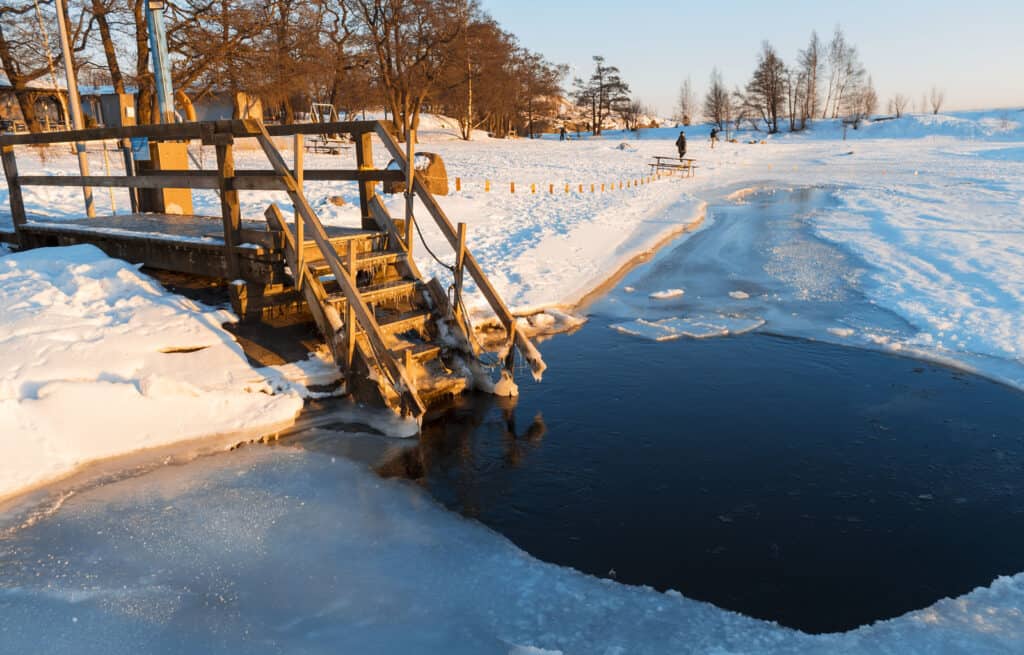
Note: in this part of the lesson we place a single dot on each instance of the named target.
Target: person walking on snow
(681, 144)
(714, 137)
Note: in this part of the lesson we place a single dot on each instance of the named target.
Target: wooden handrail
(187, 131)
(502, 311)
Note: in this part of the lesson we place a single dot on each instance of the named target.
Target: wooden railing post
(129, 170)
(364, 161)
(231, 213)
(13, 187)
(299, 153)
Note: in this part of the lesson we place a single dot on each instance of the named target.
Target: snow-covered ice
(269, 550)
(98, 360)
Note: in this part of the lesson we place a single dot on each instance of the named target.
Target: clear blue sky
(973, 50)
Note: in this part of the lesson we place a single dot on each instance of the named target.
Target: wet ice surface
(757, 260)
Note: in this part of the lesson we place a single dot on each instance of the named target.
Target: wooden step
(405, 322)
(376, 292)
(365, 241)
(369, 259)
(421, 352)
(442, 388)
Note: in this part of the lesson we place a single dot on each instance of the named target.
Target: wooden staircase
(394, 334)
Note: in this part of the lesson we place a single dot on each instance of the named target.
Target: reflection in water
(451, 440)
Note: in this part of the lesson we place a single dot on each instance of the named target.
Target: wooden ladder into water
(395, 335)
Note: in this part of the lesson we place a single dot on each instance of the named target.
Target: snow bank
(97, 360)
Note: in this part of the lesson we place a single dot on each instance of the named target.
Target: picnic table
(685, 165)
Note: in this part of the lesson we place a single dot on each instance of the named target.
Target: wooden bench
(685, 165)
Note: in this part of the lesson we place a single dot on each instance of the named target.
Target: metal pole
(410, 177)
(75, 102)
(161, 62)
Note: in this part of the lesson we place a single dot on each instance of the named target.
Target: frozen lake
(799, 481)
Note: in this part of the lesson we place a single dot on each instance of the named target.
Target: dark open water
(819, 486)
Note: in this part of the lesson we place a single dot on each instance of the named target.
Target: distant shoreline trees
(776, 91)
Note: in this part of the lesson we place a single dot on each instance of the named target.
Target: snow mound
(96, 360)
(694, 327)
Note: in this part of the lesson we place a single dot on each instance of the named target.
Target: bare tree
(935, 99)
(686, 105)
(411, 41)
(846, 75)
(898, 104)
(717, 103)
(868, 99)
(810, 62)
(766, 90)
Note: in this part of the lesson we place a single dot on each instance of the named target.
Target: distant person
(714, 137)
(561, 133)
(681, 144)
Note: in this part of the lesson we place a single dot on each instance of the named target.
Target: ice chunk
(695, 327)
(739, 295)
(666, 294)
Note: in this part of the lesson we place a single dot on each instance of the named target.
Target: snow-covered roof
(39, 84)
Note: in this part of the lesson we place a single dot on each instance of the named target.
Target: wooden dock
(400, 339)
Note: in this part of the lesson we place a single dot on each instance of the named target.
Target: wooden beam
(348, 127)
(14, 196)
(231, 213)
(254, 180)
(172, 132)
(149, 180)
(185, 131)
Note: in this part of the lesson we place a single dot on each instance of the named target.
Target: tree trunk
(100, 13)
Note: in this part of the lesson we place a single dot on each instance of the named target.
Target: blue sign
(140, 148)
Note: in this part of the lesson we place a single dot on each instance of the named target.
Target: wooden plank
(171, 132)
(14, 196)
(527, 348)
(149, 180)
(402, 385)
(231, 213)
(348, 127)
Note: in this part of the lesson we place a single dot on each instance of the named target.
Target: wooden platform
(184, 244)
